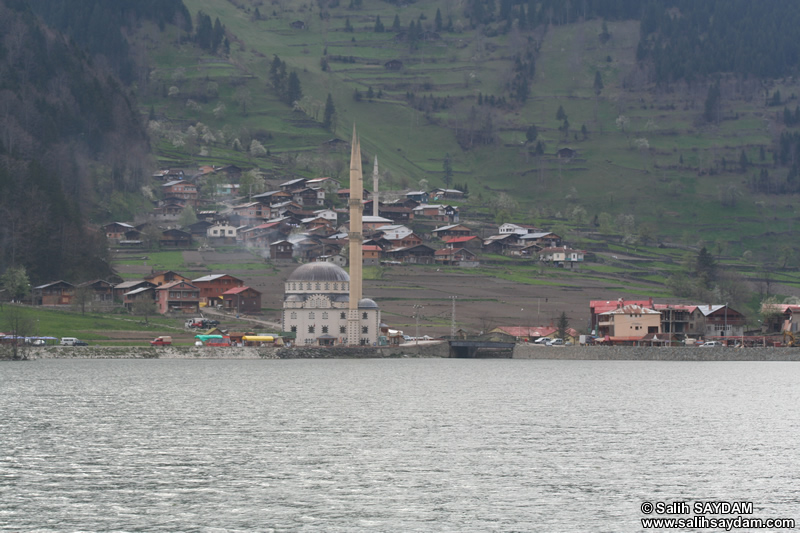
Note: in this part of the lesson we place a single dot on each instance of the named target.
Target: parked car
(542, 341)
(711, 344)
(556, 342)
(163, 340)
(81, 343)
(68, 341)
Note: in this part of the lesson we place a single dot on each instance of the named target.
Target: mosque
(323, 304)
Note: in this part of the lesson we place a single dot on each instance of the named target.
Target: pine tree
(379, 25)
(448, 170)
(330, 113)
(396, 23)
(437, 21)
(598, 83)
(294, 91)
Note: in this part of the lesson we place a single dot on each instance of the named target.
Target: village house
(371, 254)
(545, 239)
(309, 197)
(212, 286)
(115, 231)
(521, 229)
(178, 296)
(199, 228)
(164, 276)
(457, 257)
(130, 298)
(532, 333)
(421, 197)
(272, 197)
(628, 323)
(421, 254)
(446, 194)
(101, 290)
(501, 244)
(183, 189)
(249, 211)
(399, 214)
(279, 209)
(222, 231)
(779, 317)
(452, 230)
(393, 231)
(126, 286)
(562, 256)
(440, 213)
(54, 293)
(175, 238)
(324, 183)
(371, 223)
(242, 300)
(282, 250)
(472, 242)
(293, 185)
(393, 64)
(227, 189)
(408, 240)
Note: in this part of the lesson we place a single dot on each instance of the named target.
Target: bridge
(465, 348)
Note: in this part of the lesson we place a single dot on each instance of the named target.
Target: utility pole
(417, 309)
(453, 319)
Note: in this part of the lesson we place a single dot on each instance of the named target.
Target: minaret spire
(375, 188)
(355, 239)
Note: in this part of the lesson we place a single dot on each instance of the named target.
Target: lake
(441, 445)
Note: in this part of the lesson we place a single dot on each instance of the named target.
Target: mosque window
(336, 286)
(342, 316)
(294, 329)
(294, 315)
(325, 316)
(365, 329)
(311, 329)
(327, 285)
(342, 329)
(308, 286)
(324, 329)
(311, 315)
(364, 315)
(317, 286)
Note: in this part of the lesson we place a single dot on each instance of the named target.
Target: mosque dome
(319, 271)
(367, 303)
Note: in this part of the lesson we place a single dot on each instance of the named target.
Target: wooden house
(54, 293)
(242, 300)
(178, 296)
(214, 285)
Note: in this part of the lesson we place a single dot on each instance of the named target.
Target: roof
(632, 309)
(174, 284)
(212, 277)
(59, 282)
(367, 303)
(319, 271)
(238, 290)
(454, 240)
(138, 291)
(538, 235)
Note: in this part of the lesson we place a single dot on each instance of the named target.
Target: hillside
(641, 149)
(663, 157)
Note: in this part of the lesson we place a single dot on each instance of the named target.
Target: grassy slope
(679, 202)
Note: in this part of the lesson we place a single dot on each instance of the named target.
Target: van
(68, 341)
(163, 340)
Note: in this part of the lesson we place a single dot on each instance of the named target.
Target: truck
(163, 340)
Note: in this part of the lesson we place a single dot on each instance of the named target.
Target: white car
(542, 341)
(711, 344)
(556, 342)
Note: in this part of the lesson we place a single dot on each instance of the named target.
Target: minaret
(355, 237)
(375, 188)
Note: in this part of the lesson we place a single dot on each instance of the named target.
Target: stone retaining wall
(645, 353)
(212, 352)
(440, 349)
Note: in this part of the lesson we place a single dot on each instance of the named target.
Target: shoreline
(429, 350)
